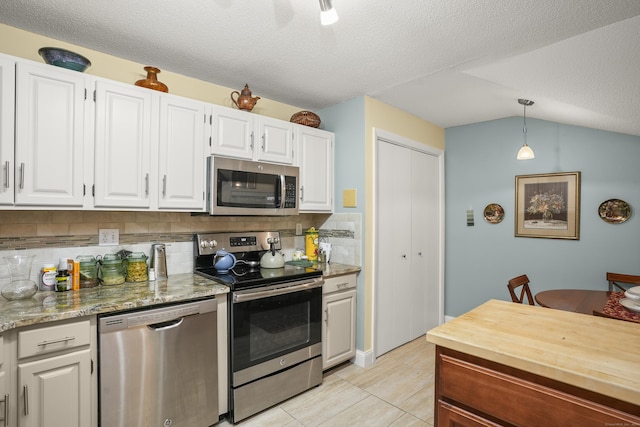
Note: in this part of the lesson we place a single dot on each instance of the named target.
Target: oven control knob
(212, 244)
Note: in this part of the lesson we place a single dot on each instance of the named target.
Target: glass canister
(111, 270)
(88, 271)
(137, 267)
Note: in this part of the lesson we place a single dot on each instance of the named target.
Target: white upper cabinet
(276, 140)
(232, 133)
(181, 154)
(7, 108)
(49, 135)
(123, 127)
(244, 135)
(315, 159)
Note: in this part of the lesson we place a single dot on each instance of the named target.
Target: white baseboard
(364, 359)
(448, 318)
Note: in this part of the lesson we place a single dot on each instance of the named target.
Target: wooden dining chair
(615, 281)
(523, 283)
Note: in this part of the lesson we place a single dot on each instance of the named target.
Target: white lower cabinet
(339, 315)
(48, 377)
(56, 391)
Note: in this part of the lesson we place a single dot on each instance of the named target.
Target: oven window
(271, 327)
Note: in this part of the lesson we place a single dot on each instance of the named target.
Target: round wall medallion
(614, 211)
(493, 213)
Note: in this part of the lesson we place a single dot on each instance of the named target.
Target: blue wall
(346, 120)
(480, 168)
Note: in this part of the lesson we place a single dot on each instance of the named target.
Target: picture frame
(548, 205)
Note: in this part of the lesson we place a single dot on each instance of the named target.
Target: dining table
(576, 300)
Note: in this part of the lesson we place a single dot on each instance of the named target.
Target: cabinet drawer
(518, 401)
(338, 283)
(48, 339)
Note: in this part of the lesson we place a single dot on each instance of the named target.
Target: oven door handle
(249, 295)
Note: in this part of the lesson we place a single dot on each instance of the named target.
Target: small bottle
(63, 281)
(48, 277)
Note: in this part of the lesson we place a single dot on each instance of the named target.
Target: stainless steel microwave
(243, 187)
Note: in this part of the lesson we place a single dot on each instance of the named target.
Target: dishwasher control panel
(119, 321)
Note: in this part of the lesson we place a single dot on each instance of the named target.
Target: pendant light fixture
(328, 14)
(525, 153)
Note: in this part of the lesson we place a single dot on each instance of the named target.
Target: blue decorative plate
(64, 58)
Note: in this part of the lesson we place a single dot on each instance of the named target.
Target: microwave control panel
(290, 192)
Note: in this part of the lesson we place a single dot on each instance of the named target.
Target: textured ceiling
(448, 62)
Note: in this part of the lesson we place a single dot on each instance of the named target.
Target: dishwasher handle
(163, 326)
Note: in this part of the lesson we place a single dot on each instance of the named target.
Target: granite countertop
(49, 306)
(594, 353)
(335, 269)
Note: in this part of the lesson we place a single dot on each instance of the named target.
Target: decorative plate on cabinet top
(493, 213)
(64, 58)
(614, 211)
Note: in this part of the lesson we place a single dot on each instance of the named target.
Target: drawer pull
(65, 339)
(342, 285)
(6, 410)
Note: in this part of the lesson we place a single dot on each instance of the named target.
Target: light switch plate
(108, 237)
(349, 198)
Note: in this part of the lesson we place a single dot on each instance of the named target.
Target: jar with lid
(88, 271)
(137, 267)
(111, 270)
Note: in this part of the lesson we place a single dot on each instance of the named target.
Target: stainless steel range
(275, 315)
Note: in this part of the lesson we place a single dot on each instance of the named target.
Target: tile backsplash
(51, 235)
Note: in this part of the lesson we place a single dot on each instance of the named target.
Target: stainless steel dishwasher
(159, 367)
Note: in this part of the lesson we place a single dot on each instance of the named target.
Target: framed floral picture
(548, 205)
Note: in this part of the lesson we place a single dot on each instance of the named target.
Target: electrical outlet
(108, 237)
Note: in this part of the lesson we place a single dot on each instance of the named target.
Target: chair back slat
(523, 282)
(615, 281)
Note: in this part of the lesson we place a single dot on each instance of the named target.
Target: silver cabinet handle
(251, 144)
(326, 315)
(146, 184)
(164, 186)
(6, 410)
(65, 339)
(263, 137)
(6, 174)
(25, 390)
(21, 176)
(302, 193)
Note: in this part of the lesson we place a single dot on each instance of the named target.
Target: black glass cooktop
(244, 277)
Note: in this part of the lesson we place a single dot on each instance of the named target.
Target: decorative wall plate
(493, 213)
(614, 211)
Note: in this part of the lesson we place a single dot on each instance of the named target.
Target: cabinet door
(232, 133)
(123, 142)
(56, 391)
(7, 106)
(181, 154)
(339, 331)
(49, 132)
(276, 140)
(315, 158)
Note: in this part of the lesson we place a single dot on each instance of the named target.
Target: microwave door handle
(282, 194)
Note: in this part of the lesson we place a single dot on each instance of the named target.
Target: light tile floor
(397, 391)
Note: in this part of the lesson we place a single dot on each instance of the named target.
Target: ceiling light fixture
(328, 14)
(525, 153)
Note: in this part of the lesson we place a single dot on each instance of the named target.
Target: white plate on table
(630, 305)
(633, 293)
